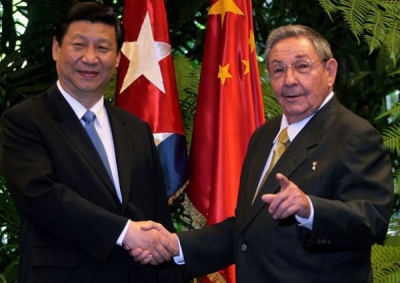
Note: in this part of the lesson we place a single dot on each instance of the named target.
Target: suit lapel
(293, 157)
(123, 151)
(253, 167)
(73, 130)
(257, 158)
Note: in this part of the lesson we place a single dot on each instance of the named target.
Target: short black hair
(92, 12)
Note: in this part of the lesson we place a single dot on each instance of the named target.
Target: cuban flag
(146, 86)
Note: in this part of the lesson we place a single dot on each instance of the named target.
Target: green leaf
(354, 13)
(329, 7)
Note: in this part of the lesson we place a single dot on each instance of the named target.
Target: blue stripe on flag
(173, 156)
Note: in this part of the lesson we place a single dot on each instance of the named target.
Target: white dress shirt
(103, 128)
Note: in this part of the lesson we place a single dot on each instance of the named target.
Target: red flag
(146, 85)
(229, 109)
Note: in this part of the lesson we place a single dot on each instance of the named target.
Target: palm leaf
(376, 24)
(10, 273)
(271, 106)
(394, 111)
(187, 79)
(384, 26)
(393, 241)
(386, 263)
(354, 13)
(329, 7)
(392, 40)
(397, 72)
(9, 218)
(9, 228)
(391, 137)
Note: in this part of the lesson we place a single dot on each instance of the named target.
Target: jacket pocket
(56, 257)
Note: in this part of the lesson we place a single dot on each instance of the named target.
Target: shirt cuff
(304, 221)
(179, 259)
(122, 235)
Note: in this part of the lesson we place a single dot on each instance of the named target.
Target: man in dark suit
(326, 201)
(75, 215)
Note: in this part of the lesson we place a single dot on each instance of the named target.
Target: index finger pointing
(283, 181)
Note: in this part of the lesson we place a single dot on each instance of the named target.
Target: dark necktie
(89, 118)
(283, 142)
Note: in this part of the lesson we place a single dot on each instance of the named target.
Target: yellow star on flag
(246, 64)
(221, 7)
(252, 41)
(224, 73)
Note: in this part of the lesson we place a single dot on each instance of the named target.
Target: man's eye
(277, 69)
(103, 48)
(301, 66)
(78, 44)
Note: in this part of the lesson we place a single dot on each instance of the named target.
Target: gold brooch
(314, 165)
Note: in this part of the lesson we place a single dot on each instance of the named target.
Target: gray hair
(295, 31)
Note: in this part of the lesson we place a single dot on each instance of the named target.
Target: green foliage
(271, 106)
(18, 81)
(394, 112)
(391, 14)
(385, 258)
(391, 134)
(329, 7)
(10, 273)
(9, 228)
(187, 73)
(354, 12)
(109, 91)
(391, 137)
(376, 24)
(386, 264)
(377, 21)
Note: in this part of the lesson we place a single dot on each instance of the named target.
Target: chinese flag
(229, 109)
(146, 85)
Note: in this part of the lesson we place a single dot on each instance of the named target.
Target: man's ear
(331, 68)
(118, 59)
(55, 49)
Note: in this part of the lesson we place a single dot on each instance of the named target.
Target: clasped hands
(149, 242)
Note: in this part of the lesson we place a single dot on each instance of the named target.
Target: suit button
(244, 247)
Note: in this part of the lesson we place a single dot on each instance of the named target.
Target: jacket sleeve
(357, 213)
(208, 249)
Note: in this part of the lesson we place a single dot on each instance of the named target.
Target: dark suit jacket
(351, 190)
(70, 214)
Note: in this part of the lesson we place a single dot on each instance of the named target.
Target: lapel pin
(314, 165)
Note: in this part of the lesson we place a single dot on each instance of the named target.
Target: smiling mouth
(88, 73)
(292, 96)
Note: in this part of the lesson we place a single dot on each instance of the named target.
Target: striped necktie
(282, 144)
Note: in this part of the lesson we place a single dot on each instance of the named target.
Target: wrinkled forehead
(292, 49)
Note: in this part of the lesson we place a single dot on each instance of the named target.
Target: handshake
(149, 242)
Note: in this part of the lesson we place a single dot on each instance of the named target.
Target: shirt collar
(80, 110)
(295, 128)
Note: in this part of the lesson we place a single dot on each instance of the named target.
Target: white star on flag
(144, 56)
